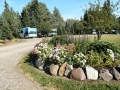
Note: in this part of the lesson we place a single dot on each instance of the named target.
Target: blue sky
(69, 9)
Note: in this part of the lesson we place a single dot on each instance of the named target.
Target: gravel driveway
(10, 77)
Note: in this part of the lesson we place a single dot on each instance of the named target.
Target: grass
(112, 38)
(63, 84)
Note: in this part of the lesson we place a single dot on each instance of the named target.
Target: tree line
(36, 14)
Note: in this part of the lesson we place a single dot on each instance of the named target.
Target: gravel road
(10, 77)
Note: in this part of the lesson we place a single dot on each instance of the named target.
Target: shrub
(101, 46)
(58, 39)
(101, 60)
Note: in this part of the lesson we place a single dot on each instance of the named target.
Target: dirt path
(10, 77)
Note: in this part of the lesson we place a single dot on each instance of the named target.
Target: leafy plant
(101, 46)
(58, 39)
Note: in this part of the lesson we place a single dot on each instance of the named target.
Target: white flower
(111, 53)
(50, 56)
(83, 62)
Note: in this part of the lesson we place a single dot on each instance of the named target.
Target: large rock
(39, 64)
(118, 68)
(47, 66)
(62, 69)
(116, 74)
(78, 74)
(69, 68)
(92, 74)
(105, 75)
(54, 70)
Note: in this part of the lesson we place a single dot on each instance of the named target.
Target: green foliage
(101, 60)
(10, 23)
(101, 46)
(101, 17)
(36, 14)
(25, 18)
(59, 39)
(69, 60)
(117, 54)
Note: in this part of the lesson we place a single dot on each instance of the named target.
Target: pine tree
(58, 21)
(1, 26)
(25, 18)
(6, 32)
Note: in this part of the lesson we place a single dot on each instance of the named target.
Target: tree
(37, 15)
(100, 17)
(58, 21)
(0, 26)
(10, 23)
(6, 19)
(25, 18)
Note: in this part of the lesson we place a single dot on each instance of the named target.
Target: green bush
(117, 53)
(101, 46)
(59, 39)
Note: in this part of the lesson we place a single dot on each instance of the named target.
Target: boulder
(62, 69)
(69, 68)
(78, 74)
(92, 74)
(116, 74)
(118, 68)
(54, 70)
(39, 64)
(105, 75)
(46, 67)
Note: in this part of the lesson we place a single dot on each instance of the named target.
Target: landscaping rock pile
(80, 74)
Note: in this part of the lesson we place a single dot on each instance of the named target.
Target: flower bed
(79, 66)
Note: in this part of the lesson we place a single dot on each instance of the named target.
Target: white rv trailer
(28, 32)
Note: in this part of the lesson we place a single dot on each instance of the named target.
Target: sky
(69, 9)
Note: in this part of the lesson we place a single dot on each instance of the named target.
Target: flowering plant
(58, 55)
(43, 50)
(79, 59)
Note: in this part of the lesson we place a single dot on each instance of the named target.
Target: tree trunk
(99, 35)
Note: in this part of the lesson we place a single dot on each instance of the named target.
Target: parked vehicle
(28, 32)
(53, 32)
(39, 35)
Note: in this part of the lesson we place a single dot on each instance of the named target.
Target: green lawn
(112, 38)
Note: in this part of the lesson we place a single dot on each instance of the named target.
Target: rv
(28, 32)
